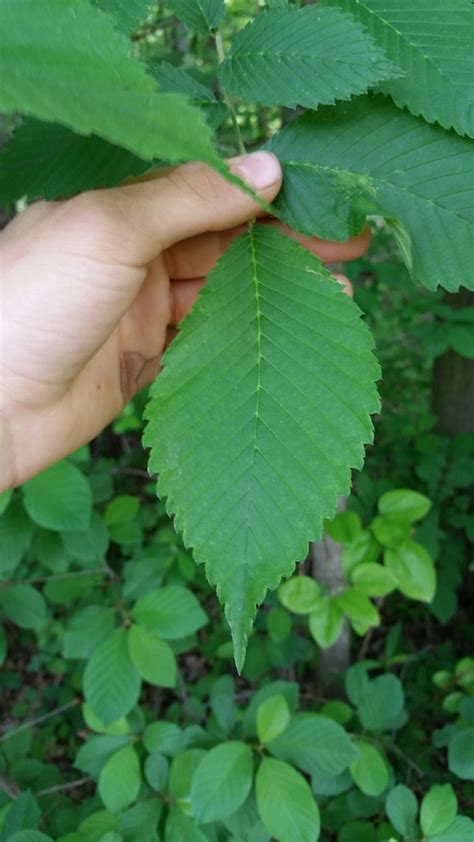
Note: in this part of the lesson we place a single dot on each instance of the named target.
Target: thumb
(188, 200)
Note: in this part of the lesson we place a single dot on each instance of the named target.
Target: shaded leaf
(59, 498)
(199, 15)
(111, 681)
(222, 781)
(285, 803)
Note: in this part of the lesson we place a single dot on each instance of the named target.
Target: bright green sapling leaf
(261, 410)
(81, 73)
(300, 594)
(29, 836)
(222, 781)
(285, 803)
(326, 622)
(414, 570)
(5, 498)
(438, 809)
(315, 744)
(460, 830)
(201, 16)
(273, 717)
(181, 828)
(171, 612)
(153, 658)
(432, 42)
(369, 771)
(59, 498)
(404, 505)
(303, 56)
(111, 681)
(395, 169)
(120, 780)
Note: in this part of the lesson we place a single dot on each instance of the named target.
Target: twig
(63, 787)
(39, 719)
(228, 101)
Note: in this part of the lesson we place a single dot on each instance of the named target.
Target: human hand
(93, 288)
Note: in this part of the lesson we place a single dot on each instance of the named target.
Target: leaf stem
(227, 99)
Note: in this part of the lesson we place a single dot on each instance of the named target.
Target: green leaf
(461, 755)
(175, 79)
(93, 755)
(24, 606)
(414, 570)
(120, 780)
(44, 160)
(5, 498)
(122, 508)
(81, 73)
(303, 56)
(369, 771)
(111, 681)
(86, 630)
(285, 803)
(181, 828)
(289, 690)
(182, 771)
(201, 16)
(172, 612)
(156, 771)
(400, 168)
(432, 43)
(118, 728)
(326, 622)
(404, 505)
(402, 809)
(461, 830)
(438, 809)
(29, 836)
(222, 781)
(273, 717)
(381, 703)
(276, 356)
(300, 594)
(461, 339)
(388, 531)
(127, 13)
(373, 579)
(153, 658)
(59, 498)
(344, 528)
(165, 737)
(316, 744)
(23, 814)
(358, 607)
(16, 530)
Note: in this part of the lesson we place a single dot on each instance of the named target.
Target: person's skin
(92, 288)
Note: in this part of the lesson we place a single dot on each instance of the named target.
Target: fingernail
(259, 170)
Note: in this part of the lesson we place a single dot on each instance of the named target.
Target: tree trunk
(452, 396)
(325, 557)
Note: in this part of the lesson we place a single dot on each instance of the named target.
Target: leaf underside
(433, 41)
(261, 410)
(304, 56)
(368, 157)
(81, 73)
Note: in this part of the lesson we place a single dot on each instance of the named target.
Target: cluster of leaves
(413, 167)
